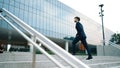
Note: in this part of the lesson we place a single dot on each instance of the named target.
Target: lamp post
(101, 15)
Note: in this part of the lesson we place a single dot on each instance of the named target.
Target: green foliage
(115, 38)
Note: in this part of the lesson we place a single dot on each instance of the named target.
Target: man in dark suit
(80, 36)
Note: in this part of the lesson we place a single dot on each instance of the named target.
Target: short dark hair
(77, 18)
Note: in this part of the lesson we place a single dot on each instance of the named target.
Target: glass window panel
(42, 5)
(22, 1)
(1, 1)
(6, 2)
(38, 4)
(44, 23)
(21, 13)
(31, 3)
(0, 5)
(38, 11)
(22, 6)
(0, 23)
(17, 4)
(6, 6)
(30, 18)
(26, 16)
(30, 9)
(16, 12)
(27, 2)
(34, 4)
(38, 21)
(34, 20)
(34, 11)
(41, 22)
(11, 9)
(26, 8)
(4, 25)
(12, 2)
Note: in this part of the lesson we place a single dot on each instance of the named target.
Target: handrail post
(33, 53)
(67, 46)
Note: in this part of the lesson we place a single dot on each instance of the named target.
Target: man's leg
(74, 45)
(84, 42)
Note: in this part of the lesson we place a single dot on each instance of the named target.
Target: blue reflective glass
(30, 19)
(6, 2)
(26, 16)
(11, 9)
(26, 8)
(4, 24)
(30, 3)
(34, 11)
(22, 6)
(6, 6)
(50, 17)
(35, 4)
(17, 4)
(0, 22)
(22, 1)
(1, 1)
(12, 2)
(21, 13)
(16, 11)
(34, 20)
(26, 2)
(30, 9)
(0, 5)
(38, 22)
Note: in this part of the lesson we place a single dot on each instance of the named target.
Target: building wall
(52, 18)
(109, 50)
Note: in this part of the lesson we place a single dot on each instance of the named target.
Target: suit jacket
(80, 30)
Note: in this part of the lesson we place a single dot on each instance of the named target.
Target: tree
(115, 38)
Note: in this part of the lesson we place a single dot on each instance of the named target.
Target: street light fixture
(101, 5)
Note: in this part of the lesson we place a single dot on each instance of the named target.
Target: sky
(91, 9)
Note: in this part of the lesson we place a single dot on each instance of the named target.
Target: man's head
(76, 19)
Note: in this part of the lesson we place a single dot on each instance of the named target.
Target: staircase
(20, 26)
(61, 59)
(23, 60)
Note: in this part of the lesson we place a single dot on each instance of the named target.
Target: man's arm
(79, 29)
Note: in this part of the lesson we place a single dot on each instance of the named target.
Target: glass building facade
(52, 18)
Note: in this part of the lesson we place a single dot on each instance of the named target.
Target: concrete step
(105, 65)
(24, 60)
(19, 56)
(46, 64)
(115, 67)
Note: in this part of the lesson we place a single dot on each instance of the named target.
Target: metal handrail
(74, 62)
(115, 45)
(31, 41)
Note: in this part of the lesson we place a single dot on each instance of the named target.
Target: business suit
(80, 36)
